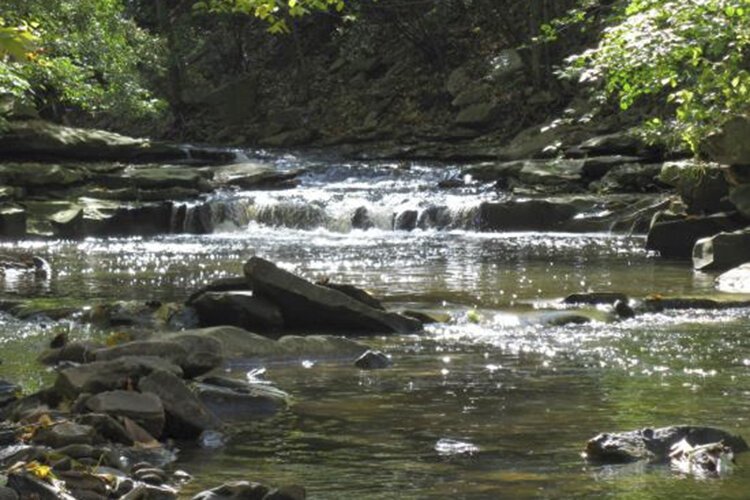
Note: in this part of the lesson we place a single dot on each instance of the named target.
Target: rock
(251, 401)
(428, 317)
(654, 445)
(291, 492)
(235, 490)
(495, 171)
(478, 115)
(623, 309)
(618, 143)
(162, 177)
(145, 409)
(722, 251)
(187, 417)
(355, 293)
(232, 284)
(675, 236)
(554, 172)
(701, 186)
(531, 215)
(736, 280)
(8, 392)
(312, 307)
(64, 434)
(630, 178)
(729, 146)
(706, 460)
(739, 196)
(474, 94)
(288, 138)
(361, 219)
(106, 427)
(28, 486)
(239, 308)
(40, 139)
(405, 221)
(109, 375)
(253, 175)
(171, 351)
(595, 298)
(659, 304)
(596, 167)
(42, 175)
(373, 360)
(238, 343)
(203, 353)
(505, 65)
(8, 493)
(457, 81)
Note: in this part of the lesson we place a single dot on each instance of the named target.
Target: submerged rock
(235, 490)
(373, 360)
(655, 445)
(594, 298)
(311, 307)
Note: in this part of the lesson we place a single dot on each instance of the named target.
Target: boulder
(530, 215)
(75, 352)
(674, 236)
(722, 251)
(355, 293)
(241, 402)
(702, 186)
(654, 445)
(253, 175)
(729, 146)
(506, 64)
(311, 307)
(238, 308)
(186, 415)
(736, 280)
(109, 375)
(40, 139)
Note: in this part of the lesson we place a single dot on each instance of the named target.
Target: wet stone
(373, 360)
(235, 490)
(64, 434)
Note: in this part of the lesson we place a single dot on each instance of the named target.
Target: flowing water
(491, 405)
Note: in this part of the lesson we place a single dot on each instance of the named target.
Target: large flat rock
(314, 308)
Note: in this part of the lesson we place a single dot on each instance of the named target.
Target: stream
(487, 406)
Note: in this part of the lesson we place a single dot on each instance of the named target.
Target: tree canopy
(686, 63)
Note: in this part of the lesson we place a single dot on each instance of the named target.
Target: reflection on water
(490, 406)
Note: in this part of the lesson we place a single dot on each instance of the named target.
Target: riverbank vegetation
(678, 69)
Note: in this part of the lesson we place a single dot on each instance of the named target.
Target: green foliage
(275, 12)
(89, 61)
(689, 58)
